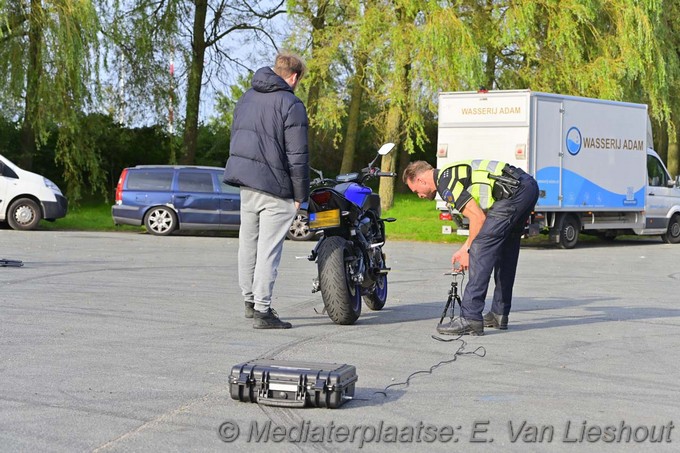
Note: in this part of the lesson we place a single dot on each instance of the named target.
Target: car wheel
(160, 221)
(672, 235)
(24, 214)
(299, 229)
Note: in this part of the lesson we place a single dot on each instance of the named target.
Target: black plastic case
(292, 384)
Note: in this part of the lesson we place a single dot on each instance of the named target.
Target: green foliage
(207, 41)
(9, 139)
(611, 49)
(53, 75)
(213, 139)
(88, 217)
(117, 147)
(410, 49)
(417, 220)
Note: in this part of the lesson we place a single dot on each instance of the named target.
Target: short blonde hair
(287, 63)
(413, 169)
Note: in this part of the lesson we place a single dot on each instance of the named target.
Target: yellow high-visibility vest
(461, 181)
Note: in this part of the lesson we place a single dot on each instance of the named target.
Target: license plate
(324, 219)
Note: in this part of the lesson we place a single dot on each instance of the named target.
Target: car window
(149, 180)
(655, 172)
(193, 181)
(226, 188)
(8, 172)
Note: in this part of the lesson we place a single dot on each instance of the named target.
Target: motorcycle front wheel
(376, 299)
(341, 296)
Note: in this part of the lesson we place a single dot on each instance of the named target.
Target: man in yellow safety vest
(497, 199)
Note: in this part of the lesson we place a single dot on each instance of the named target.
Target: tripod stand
(453, 295)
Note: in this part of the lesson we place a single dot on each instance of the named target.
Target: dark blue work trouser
(496, 248)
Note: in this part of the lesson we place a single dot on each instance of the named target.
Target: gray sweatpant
(265, 220)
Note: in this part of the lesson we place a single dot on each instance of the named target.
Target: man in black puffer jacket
(269, 160)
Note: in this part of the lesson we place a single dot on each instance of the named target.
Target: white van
(26, 197)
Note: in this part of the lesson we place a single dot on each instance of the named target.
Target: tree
(667, 28)
(50, 78)
(210, 38)
(429, 47)
(322, 29)
(616, 49)
(612, 49)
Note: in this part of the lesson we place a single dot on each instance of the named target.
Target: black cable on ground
(479, 352)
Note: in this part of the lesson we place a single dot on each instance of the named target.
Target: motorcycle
(348, 254)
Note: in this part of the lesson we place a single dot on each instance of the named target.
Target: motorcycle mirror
(386, 148)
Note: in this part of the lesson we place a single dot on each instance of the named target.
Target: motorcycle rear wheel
(341, 296)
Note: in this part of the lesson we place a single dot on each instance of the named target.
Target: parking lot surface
(125, 341)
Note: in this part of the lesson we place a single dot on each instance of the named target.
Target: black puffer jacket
(268, 149)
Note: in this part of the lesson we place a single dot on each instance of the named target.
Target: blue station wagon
(166, 198)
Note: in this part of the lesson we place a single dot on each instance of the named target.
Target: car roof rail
(179, 167)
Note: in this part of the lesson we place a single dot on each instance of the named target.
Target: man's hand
(297, 205)
(461, 257)
(476, 216)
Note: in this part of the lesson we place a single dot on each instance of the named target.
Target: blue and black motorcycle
(349, 254)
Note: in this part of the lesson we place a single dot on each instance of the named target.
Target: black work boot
(250, 309)
(269, 320)
(461, 326)
(495, 320)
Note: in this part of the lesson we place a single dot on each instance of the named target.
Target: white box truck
(593, 159)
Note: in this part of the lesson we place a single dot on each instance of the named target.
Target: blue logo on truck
(573, 141)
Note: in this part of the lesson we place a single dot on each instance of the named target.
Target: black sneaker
(250, 309)
(269, 320)
(461, 326)
(497, 321)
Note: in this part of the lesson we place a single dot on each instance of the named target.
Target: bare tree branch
(236, 27)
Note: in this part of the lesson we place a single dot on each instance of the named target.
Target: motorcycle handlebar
(376, 172)
(319, 181)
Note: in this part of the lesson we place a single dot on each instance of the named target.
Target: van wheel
(24, 214)
(672, 235)
(160, 221)
(568, 230)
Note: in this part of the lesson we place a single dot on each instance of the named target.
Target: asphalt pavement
(125, 341)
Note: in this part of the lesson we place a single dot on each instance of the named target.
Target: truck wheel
(24, 214)
(672, 235)
(160, 221)
(341, 296)
(568, 230)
